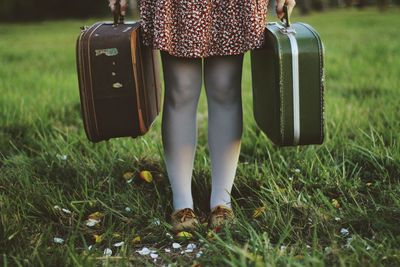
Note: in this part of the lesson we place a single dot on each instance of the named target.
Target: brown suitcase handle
(118, 18)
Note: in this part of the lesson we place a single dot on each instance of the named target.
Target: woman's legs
(222, 77)
(183, 81)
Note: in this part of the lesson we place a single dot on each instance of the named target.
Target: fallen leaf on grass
(98, 238)
(258, 211)
(146, 176)
(137, 239)
(128, 176)
(335, 203)
(184, 235)
(116, 235)
(96, 215)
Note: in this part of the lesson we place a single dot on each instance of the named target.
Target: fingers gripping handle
(118, 17)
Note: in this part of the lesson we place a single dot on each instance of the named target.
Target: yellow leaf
(96, 215)
(98, 238)
(368, 184)
(335, 203)
(211, 235)
(116, 235)
(258, 211)
(184, 234)
(146, 176)
(137, 239)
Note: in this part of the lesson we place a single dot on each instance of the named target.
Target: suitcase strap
(290, 33)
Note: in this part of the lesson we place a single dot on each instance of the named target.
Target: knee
(182, 92)
(223, 91)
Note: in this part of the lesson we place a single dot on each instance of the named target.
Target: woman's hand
(124, 6)
(279, 7)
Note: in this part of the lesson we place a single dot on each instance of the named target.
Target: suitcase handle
(285, 19)
(118, 18)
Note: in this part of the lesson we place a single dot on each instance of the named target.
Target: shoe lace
(186, 213)
(222, 212)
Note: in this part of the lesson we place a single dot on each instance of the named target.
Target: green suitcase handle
(285, 19)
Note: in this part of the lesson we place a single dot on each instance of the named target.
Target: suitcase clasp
(287, 30)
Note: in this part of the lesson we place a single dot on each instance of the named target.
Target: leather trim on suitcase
(134, 50)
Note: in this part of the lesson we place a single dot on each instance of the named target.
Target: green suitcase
(288, 84)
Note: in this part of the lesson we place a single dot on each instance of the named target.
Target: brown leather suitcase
(119, 81)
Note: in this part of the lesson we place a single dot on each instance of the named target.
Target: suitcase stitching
(320, 46)
(91, 81)
(82, 87)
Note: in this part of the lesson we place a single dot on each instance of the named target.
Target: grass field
(337, 204)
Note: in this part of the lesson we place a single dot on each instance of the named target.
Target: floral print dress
(202, 28)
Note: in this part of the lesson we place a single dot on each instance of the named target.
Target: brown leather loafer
(220, 215)
(184, 220)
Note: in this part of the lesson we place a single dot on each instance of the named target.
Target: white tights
(182, 83)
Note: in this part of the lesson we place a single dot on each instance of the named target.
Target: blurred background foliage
(30, 10)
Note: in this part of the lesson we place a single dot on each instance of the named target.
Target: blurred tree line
(18, 10)
(305, 6)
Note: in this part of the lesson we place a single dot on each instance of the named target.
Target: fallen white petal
(90, 247)
(167, 250)
(61, 157)
(119, 244)
(92, 222)
(198, 254)
(107, 252)
(337, 219)
(169, 235)
(191, 246)
(297, 170)
(66, 211)
(127, 209)
(58, 240)
(154, 255)
(144, 251)
(176, 245)
(188, 250)
(344, 231)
